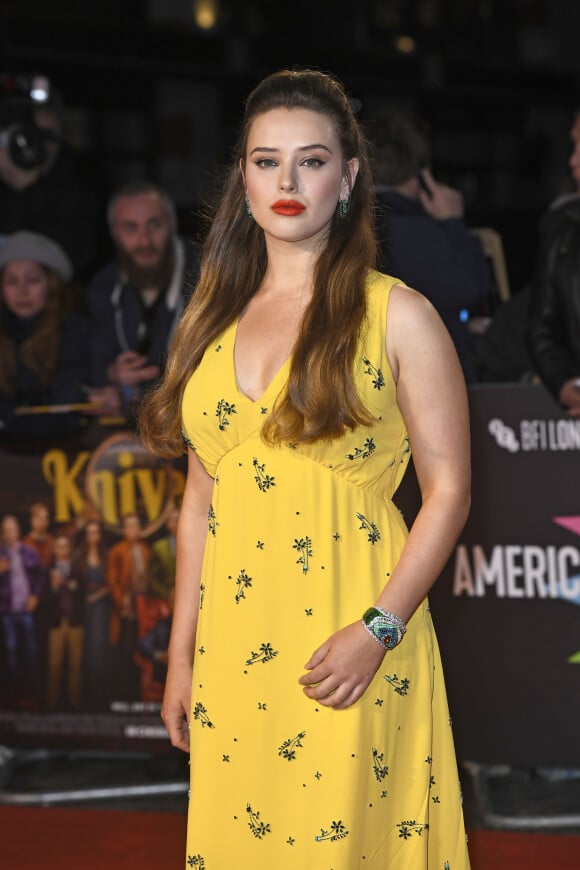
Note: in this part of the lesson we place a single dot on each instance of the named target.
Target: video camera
(20, 135)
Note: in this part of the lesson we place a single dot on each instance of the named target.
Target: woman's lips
(288, 207)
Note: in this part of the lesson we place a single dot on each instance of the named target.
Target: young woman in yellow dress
(304, 674)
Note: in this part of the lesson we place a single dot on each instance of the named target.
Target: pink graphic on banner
(570, 523)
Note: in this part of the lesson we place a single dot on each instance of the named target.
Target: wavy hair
(321, 399)
(40, 350)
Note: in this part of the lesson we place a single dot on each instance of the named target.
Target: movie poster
(87, 564)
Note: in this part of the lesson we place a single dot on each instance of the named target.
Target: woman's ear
(351, 172)
(243, 172)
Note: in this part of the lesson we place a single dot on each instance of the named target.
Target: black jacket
(115, 312)
(553, 329)
(58, 205)
(442, 259)
(67, 385)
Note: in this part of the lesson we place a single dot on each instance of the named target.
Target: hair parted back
(321, 399)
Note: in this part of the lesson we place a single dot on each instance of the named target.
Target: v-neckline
(272, 382)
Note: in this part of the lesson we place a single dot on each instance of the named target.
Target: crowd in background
(79, 339)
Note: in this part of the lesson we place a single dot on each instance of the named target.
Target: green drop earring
(343, 205)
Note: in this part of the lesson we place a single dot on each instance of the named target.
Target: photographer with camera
(40, 187)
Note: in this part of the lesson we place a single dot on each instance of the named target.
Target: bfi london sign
(506, 608)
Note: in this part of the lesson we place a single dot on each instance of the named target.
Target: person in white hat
(44, 356)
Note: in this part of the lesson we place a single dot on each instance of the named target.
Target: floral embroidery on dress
(363, 452)
(401, 686)
(243, 582)
(212, 522)
(200, 715)
(223, 411)
(337, 831)
(407, 829)
(378, 379)
(186, 439)
(373, 533)
(304, 547)
(380, 770)
(258, 828)
(289, 747)
(264, 481)
(265, 654)
(196, 861)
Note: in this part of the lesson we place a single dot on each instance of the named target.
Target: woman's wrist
(385, 627)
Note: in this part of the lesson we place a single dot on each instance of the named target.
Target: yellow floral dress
(301, 541)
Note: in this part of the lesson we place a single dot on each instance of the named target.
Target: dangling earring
(248, 208)
(343, 205)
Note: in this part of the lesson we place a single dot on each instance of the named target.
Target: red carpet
(66, 839)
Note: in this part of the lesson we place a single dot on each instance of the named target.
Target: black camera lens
(27, 145)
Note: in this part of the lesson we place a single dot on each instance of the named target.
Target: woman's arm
(191, 536)
(432, 397)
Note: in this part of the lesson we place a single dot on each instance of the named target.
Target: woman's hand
(176, 705)
(341, 669)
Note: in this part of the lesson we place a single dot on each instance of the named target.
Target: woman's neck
(290, 272)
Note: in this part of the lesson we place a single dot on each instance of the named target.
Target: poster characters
(85, 611)
(22, 584)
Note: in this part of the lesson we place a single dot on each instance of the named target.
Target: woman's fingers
(322, 689)
(316, 675)
(178, 730)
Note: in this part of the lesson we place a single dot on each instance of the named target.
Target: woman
(90, 568)
(44, 358)
(318, 739)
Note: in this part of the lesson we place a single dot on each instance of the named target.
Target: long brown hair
(40, 350)
(82, 555)
(321, 397)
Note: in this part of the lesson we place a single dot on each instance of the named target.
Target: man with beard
(135, 302)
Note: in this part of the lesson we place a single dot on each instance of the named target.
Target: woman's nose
(288, 179)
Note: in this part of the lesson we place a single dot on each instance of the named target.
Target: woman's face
(294, 174)
(93, 533)
(24, 287)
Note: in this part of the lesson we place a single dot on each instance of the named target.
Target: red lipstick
(288, 207)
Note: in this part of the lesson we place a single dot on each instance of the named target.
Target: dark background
(151, 93)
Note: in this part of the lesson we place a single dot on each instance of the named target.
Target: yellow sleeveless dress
(301, 541)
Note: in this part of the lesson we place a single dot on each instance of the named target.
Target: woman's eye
(266, 161)
(314, 162)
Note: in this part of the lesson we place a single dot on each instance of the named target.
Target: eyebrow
(301, 148)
